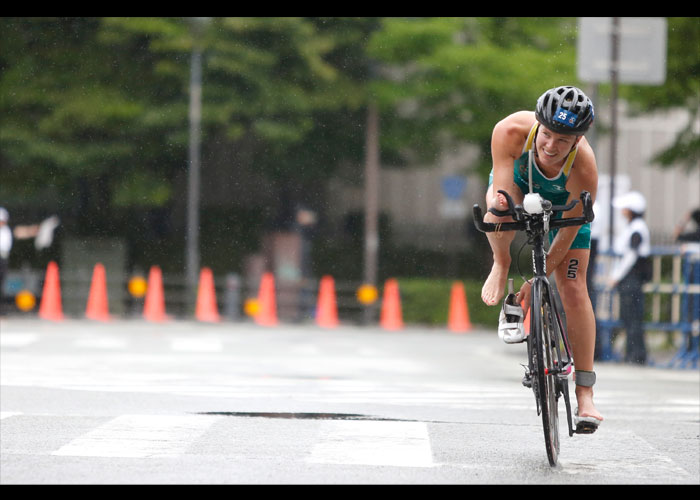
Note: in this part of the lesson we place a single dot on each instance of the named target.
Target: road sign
(642, 56)
(453, 186)
(453, 206)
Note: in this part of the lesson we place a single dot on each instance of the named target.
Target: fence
(672, 301)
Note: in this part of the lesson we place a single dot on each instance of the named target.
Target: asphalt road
(130, 402)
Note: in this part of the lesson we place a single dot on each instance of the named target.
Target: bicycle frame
(562, 367)
(556, 367)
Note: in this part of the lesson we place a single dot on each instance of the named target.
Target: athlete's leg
(495, 284)
(570, 277)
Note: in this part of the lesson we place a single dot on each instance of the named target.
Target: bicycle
(548, 351)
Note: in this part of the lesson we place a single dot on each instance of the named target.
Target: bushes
(427, 301)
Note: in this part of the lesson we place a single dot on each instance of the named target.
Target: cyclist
(563, 165)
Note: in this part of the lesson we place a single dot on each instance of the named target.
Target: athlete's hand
(523, 296)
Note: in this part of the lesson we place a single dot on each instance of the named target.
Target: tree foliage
(452, 79)
(681, 89)
(108, 98)
(96, 109)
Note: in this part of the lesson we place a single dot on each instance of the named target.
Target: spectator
(631, 271)
(691, 236)
(5, 246)
(42, 234)
(690, 243)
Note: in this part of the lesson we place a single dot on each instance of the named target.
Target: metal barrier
(672, 301)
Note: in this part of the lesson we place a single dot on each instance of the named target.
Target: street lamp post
(193, 176)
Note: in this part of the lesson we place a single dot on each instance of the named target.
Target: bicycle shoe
(585, 425)
(510, 322)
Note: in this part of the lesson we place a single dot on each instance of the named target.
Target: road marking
(18, 339)
(140, 436)
(106, 343)
(193, 344)
(402, 444)
(617, 454)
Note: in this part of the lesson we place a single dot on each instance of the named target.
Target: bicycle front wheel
(543, 360)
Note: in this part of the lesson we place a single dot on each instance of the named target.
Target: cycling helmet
(565, 110)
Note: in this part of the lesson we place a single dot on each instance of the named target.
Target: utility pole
(193, 177)
(371, 249)
(614, 79)
(193, 171)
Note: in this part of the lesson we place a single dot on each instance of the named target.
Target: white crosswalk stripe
(8, 414)
(367, 442)
(196, 344)
(140, 436)
(103, 342)
(347, 442)
(11, 339)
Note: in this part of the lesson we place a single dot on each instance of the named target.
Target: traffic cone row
(391, 317)
(97, 308)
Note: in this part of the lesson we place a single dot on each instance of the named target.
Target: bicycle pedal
(527, 380)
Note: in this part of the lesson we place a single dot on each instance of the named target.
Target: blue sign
(453, 186)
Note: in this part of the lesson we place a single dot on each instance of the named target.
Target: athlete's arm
(507, 141)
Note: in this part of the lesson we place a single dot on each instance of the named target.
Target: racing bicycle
(549, 359)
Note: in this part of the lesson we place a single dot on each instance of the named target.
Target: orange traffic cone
(51, 307)
(97, 304)
(458, 317)
(206, 309)
(326, 307)
(154, 303)
(267, 314)
(390, 317)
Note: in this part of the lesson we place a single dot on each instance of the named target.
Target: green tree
(681, 89)
(104, 102)
(449, 80)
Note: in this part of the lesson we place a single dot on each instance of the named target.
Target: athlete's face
(552, 148)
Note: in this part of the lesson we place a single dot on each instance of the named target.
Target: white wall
(670, 192)
(413, 196)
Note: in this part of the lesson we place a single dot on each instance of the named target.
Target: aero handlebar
(522, 217)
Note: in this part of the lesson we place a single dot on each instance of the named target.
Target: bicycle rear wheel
(544, 359)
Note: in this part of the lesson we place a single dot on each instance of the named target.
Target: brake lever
(587, 203)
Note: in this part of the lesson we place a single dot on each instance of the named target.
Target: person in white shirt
(42, 234)
(5, 246)
(631, 271)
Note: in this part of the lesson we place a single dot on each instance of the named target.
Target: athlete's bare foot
(494, 285)
(586, 408)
